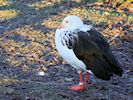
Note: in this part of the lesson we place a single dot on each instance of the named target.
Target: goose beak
(60, 27)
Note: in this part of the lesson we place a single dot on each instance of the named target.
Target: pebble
(41, 73)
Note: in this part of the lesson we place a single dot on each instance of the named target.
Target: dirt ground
(27, 47)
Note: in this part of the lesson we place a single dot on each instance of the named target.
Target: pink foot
(79, 87)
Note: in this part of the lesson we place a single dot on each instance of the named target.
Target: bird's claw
(79, 87)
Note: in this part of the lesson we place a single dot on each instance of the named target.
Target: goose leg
(81, 84)
(86, 79)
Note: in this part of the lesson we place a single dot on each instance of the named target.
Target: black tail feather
(115, 66)
(103, 69)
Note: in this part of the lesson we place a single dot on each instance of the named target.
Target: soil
(17, 84)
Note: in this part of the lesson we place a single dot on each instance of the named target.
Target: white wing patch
(68, 38)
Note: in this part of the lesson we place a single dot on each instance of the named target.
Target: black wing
(92, 48)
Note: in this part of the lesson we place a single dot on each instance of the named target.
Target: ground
(27, 47)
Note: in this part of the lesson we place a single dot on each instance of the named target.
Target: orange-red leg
(86, 79)
(87, 76)
(80, 77)
(81, 84)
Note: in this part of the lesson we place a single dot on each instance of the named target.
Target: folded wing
(92, 48)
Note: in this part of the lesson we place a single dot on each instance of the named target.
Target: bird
(85, 49)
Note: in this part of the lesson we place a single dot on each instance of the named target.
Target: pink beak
(61, 26)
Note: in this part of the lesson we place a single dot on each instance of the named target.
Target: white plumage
(64, 51)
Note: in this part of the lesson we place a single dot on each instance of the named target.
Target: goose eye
(66, 21)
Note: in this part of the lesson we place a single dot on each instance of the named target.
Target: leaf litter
(33, 50)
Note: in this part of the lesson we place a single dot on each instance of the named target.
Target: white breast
(67, 54)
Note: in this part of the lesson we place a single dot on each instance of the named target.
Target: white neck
(85, 27)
